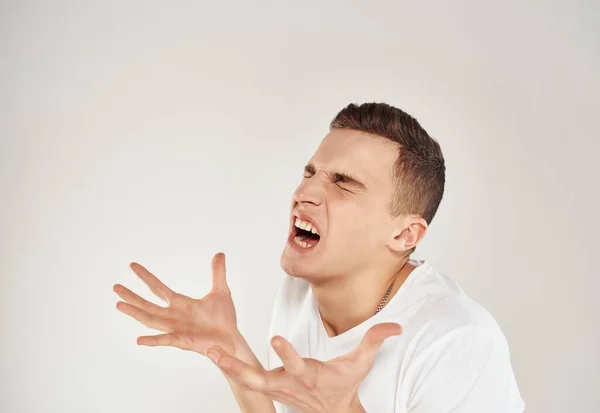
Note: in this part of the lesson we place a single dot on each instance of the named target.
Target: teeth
(302, 243)
(307, 226)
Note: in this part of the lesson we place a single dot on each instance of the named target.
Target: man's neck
(348, 301)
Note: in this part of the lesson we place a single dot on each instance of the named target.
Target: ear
(408, 233)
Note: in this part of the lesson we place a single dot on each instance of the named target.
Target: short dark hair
(420, 172)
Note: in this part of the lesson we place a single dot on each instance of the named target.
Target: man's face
(351, 218)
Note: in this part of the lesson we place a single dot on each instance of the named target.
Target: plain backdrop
(165, 132)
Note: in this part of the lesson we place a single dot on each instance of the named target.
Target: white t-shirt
(451, 357)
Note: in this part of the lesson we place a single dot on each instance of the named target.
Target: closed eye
(339, 178)
(336, 177)
(310, 170)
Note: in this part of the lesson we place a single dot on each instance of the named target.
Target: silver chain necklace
(384, 298)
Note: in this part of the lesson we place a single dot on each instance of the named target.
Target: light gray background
(166, 133)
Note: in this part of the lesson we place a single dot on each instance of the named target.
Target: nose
(310, 190)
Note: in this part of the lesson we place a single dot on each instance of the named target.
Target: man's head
(370, 190)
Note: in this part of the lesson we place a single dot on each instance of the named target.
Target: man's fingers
(156, 286)
(366, 351)
(240, 372)
(159, 340)
(144, 317)
(293, 363)
(218, 273)
(134, 299)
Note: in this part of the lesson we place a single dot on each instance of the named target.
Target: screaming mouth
(305, 236)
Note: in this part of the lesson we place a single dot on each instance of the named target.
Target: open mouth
(304, 235)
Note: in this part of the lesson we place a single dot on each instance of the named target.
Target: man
(357, 326)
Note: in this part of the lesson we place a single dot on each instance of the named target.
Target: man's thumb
(373, 339)
(218, 273)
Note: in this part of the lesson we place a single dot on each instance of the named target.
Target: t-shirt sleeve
(465, 370)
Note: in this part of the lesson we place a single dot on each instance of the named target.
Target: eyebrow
(310, 168)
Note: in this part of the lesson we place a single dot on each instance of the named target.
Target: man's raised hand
(306, 384)
(187, 323)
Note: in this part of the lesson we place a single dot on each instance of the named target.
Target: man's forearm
(358, 408)
(251, 401)
(248, 400)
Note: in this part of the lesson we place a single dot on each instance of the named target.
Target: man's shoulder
(450, 317)
(456, 353)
